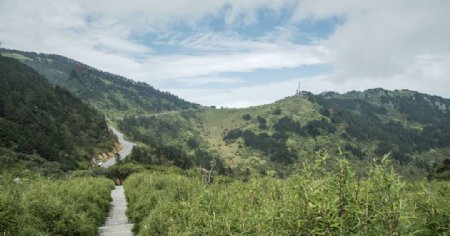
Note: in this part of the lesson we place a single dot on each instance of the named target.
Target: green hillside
(273, 138)
(413, 127)
(42, 125)
(114, 95)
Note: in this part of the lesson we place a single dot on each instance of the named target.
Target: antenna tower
(299, 91)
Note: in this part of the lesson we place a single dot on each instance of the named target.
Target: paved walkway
(117, 222)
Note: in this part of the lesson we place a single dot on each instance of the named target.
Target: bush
(247, 117)
(262, 122)
(286, 124)
(122, 171)
(76, 206)
(326, 198)
(276, 111)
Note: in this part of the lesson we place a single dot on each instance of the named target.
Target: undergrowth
(317, 201)
(38, 206)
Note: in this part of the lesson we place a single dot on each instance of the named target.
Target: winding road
(127, 146)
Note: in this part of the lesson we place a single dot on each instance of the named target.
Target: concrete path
(117, 222)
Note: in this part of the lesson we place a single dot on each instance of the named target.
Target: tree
(247, 117)
(117, 158)
(262, 122)
(277, 111)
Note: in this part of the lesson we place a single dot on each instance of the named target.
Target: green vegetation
(413, 127)
(392, 118)
(38, 206)
(48, 130)
(277, 137)
(171, 141)
(120, 170)
(441, 171)
(114, 95)
(18, 163)
(326, 197)
(44, 124)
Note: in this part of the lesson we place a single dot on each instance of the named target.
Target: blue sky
(243, 53)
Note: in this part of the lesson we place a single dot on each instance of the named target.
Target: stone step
(117, 222)
(117, 230)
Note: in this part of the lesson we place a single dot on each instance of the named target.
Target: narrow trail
(117, 222)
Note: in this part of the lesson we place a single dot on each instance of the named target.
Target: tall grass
(318, 201)
(76, 206)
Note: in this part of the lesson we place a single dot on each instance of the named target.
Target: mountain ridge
(112, 94)
(410, 125)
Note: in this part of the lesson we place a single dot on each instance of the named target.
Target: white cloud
(208, 80)
(156, 15)
(380, 43)
(171, 67)
(93, 33)
(381, 38)
(241, 96)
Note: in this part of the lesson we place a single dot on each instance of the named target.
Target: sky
(239, 53)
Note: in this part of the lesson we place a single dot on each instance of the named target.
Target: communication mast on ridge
(299, 91)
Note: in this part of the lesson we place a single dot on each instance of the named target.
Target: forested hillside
(112, 94)
(411, 126)
(44, 125)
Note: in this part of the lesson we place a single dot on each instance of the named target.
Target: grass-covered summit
(412, 126)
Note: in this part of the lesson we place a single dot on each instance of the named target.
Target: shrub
(325, 198)
(276, 111)
(247, 117)
(76, 206)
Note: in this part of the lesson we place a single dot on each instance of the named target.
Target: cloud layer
(184, 47)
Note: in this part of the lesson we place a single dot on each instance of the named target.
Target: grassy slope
(211, 125)
(217, 122)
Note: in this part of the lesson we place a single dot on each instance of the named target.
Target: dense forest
(44, 124)
(112, 94)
